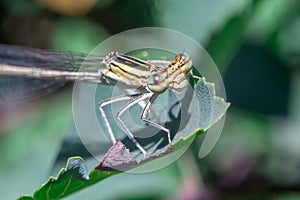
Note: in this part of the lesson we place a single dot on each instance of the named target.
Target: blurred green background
(255, 44)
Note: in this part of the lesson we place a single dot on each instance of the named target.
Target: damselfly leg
(144, 117)
(136, 98)
(109, 101)
(121, 112)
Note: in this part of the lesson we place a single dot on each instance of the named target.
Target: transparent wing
(14, 89)
(58, 60)
(19, 88)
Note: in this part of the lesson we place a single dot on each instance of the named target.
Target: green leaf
(74, 176)
(212, 107)
(70, 179)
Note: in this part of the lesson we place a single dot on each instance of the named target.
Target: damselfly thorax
(156, 78)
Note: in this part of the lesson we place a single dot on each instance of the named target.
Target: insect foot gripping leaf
(74, 176)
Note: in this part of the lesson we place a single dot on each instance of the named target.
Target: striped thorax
(139, 73)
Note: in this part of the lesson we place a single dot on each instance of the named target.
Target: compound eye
(156, 83)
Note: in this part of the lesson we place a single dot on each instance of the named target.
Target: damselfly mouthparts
(151, 77)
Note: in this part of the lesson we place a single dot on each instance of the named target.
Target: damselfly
(150, 77)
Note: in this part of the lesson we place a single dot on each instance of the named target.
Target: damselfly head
(185, 62)
(182, 62)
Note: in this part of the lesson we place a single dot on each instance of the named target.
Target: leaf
(74, 176)
(212, 108)
(70, 179)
